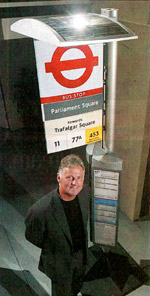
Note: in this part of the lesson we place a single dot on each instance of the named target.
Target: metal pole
(111, 85)
(111, 99)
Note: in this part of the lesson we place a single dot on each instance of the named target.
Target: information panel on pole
(71, 94)
(106, 197)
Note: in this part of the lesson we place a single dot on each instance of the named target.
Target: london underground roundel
(66, 71)
(56, 66)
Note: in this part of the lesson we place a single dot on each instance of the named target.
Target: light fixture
(79, 22)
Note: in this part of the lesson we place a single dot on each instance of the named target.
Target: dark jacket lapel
(60, 216)
(84, 210)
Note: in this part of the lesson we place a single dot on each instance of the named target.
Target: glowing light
(79, 22)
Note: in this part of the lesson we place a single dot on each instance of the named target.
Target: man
(57, 224)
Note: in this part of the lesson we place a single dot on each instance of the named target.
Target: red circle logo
(56, 66)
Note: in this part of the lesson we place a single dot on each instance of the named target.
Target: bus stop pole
(111, 98)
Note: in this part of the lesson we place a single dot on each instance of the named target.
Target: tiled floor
(19, 258)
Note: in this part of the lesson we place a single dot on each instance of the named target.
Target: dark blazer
(47, 228)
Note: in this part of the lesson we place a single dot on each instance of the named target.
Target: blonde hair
(71, 160)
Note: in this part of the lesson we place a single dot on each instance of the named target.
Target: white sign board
(71, 92)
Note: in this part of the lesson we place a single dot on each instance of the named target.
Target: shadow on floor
(12, 281)
(14, 193)
(115, 270)
(16, 283)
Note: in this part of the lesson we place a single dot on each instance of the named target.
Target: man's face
(70, 182)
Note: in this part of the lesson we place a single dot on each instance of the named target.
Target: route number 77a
(76, 139)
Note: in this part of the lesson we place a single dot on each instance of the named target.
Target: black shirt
(75, 222)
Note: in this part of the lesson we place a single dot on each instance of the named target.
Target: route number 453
(94, 134)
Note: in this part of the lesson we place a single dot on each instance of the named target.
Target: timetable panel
(105, 206)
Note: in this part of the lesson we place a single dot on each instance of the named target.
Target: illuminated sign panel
(71, 93)
(106, 196)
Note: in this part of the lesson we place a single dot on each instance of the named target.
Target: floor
(135, 238)
(19, 258)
